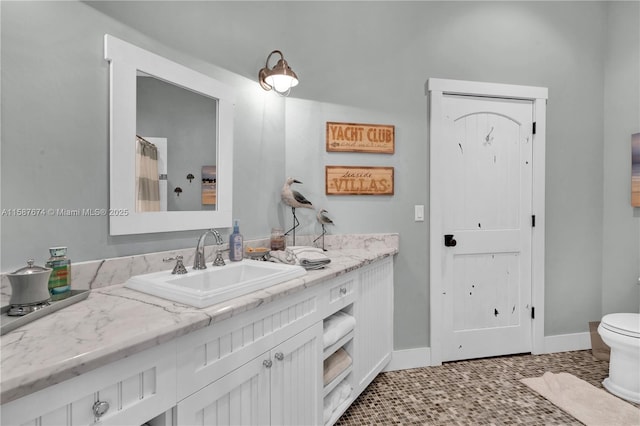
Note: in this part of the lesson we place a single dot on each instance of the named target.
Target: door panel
(485, 179)
(481, 280)
(240, 397)
(296, 379)
(486, 204)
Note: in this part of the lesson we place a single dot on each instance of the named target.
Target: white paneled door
(484, 197)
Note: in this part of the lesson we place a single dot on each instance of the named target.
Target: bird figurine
(323, 219)
(294, 199)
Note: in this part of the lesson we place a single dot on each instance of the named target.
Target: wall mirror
(171, 144)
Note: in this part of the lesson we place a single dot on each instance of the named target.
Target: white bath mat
(585, 402)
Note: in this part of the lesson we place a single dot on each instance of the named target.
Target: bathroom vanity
(125, 357)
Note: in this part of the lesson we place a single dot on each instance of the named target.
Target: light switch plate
(419, 213)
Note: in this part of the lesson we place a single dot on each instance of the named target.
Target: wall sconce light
(280, 78)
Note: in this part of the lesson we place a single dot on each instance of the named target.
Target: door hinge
(534, 128)
(533, 312)
(533, 220)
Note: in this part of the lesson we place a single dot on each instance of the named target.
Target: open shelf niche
(338, 363)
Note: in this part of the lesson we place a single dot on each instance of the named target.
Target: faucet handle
(219, 261)
(179, 268)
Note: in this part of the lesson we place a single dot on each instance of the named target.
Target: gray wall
(357, 61)
(621, 222)
(55, 141)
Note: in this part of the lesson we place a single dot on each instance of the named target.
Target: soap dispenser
(236, 251)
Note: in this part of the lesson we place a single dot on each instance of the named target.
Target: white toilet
(621, 332)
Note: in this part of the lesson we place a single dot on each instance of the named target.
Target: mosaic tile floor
(475, 392)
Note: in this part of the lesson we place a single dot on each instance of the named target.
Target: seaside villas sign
(351, 137)
(356, 180)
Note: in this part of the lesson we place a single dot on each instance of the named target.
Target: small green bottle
(60, 278)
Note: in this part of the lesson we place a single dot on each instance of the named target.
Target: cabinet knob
(267, 363)
(100, 407)
(279, 356)
(343, 290)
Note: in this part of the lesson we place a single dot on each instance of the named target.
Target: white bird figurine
(323, 219)
(294, 199)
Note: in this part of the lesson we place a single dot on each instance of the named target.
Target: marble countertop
(115, 322)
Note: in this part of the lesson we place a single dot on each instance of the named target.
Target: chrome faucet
(198, 260)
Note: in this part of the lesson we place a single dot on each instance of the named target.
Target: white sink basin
(206, 287)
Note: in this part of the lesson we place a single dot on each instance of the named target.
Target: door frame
(435, 89)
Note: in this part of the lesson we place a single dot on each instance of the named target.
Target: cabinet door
(239, 398)
(208, 354)
(296, 379)
(129, 391)
(373, 310)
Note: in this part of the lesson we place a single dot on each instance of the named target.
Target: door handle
(449, 241)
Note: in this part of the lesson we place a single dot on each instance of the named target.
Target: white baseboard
(404, 359)
(567, 342)
(409, 358)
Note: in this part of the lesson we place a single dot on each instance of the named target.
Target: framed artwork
(209, 194)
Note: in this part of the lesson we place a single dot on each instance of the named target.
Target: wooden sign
(356, 180)
(351, 137)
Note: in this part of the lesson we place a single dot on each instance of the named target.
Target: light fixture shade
(280, 78)
(281, 82)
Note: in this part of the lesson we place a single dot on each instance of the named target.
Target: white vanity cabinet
(266, 365)
(279, 387)
(130, 391)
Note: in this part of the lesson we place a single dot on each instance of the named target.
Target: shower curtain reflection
(147, 183)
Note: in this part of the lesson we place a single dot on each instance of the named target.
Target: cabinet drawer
(340, 293)
(208, 354)
(131, 391)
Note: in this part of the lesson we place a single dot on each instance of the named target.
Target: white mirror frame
(125, 60)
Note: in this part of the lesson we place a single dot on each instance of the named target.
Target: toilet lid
(627, 324)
